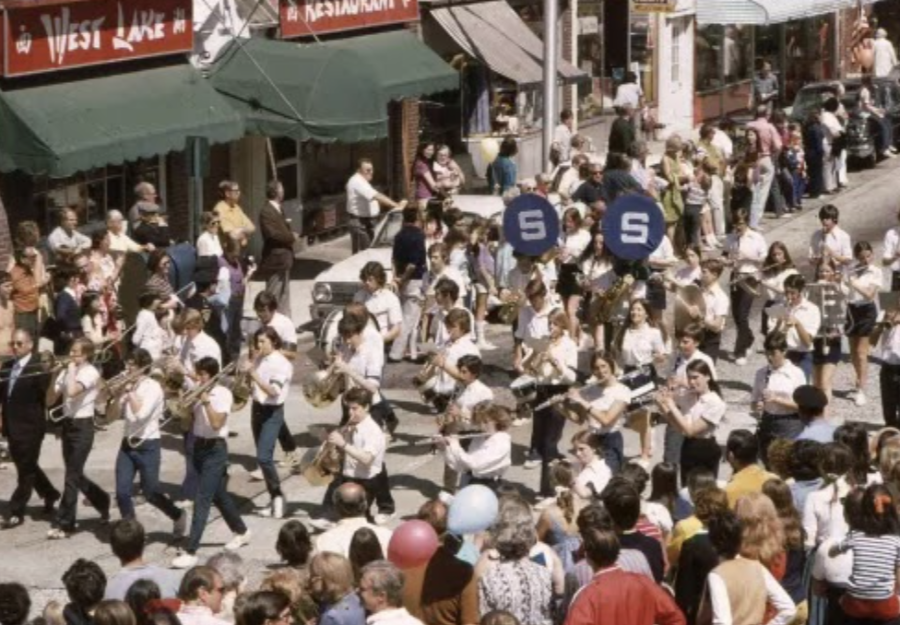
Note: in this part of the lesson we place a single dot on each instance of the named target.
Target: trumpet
(750, 282)
(112, 390)
(426, 379)
(52, 364)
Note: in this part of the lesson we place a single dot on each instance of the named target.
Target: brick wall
(178, 186)
(568, 53)
(404, 139)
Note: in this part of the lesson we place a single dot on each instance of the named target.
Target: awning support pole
(196, 157)
(550, 91)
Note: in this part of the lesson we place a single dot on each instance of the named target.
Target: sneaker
(58, 534)
(256, 475)
(860, 399)
(11, 521)
(644, 463)
(852, 394)
(517, 423)
(290, 459)
(740, 361)
(278, 507)
(185, 504)
(485, 346)
(321, 524)
(238, 541)
(532, 461)
(383, 519)
(185, 561)
(179, 525)
(445, 498)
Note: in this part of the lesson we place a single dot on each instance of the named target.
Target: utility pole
(551, 12)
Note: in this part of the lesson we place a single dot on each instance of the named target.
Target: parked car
(335, 287)
(861, 126)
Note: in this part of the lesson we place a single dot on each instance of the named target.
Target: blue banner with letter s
(531, 224)
(633, 227)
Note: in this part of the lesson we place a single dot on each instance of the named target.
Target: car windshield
(393, 223)
(809, 98)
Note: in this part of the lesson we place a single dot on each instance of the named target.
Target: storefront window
(723, 55)
(641, 42)
(590, 57)
(93, 193)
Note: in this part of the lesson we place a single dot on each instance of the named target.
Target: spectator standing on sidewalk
(234, 221)
(769, 147)
(364, 205)
(410, 263)
(278, 247)
(884, 53)
(765, 89)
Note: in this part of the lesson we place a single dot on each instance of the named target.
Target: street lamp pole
(551, 10)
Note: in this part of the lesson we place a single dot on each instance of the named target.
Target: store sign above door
(50, 35)
(302, 18)
(653, 6)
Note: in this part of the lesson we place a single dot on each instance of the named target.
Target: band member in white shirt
(747, 250)
(575, 241)
(149, 333)
(716, 307)
(380, 301)
(773, 396)
(830, 241)
(487, 458)
(887, 337)
(457, 325)
(598, 276)
(555, 371)
(891, 255)
(446, 296)
(600, 405)
(77, 385)
(800, 326)
(698, 424)
(653, 289)
(266, 307)
(828, 345)
(140, 452)
(210, 432)
(438, 269)
(864, 281)
(363, 442)
(271, 376)
(688, 351)
(776, 268)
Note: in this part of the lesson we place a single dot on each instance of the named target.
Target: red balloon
(412, 544)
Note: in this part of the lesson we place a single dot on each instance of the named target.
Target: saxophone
(603, 305)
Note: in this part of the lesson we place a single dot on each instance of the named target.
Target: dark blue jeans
(804, 360)
(266, 422)
(211, 464)
(77, 441)
(143, 461)
(189, 485)
(613, 449)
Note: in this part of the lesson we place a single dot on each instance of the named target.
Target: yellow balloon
(490, 148)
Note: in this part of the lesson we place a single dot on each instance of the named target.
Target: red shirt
(615, 597)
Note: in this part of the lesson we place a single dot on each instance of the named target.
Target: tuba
(322, 388)
(181, 407)
(604, 305)
(241, 390)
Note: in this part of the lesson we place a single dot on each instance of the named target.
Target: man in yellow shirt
(233, 220)
(742, 453)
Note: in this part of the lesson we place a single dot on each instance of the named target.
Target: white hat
(880, 33)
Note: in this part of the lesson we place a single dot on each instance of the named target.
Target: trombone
(182, 406)
(52, 364)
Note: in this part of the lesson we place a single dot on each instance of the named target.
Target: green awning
(331, 91)
(62, 128)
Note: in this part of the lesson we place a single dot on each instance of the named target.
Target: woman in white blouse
(575, 241)
(864, 280)
(208, 243)
(554, 377)
(271, 375)
(777, 266)
(597, 275)
(699, 422)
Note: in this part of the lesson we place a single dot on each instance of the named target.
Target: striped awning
(762, 12)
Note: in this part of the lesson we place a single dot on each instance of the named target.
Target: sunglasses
(17, 343)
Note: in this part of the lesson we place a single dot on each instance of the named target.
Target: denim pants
(412, 312)
(189, 485)
(546, 433)
(211, 464)
(613, 448)
(741, 303)
(804, 360)
(266, 422)
(761, 190)
(234, 314)
(143, 461)
(691, 220)
(77, 441)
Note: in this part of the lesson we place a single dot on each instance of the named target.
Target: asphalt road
(868, 210)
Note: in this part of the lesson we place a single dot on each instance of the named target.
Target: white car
(335, 287)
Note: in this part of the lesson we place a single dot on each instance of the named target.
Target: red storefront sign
(48, 36)
(301, 18)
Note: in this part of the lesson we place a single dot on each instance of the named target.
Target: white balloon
(490, 148)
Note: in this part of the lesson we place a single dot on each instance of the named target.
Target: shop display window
(723, 56)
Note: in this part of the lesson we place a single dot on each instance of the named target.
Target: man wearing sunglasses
(23, 391)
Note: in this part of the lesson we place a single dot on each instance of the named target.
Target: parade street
(868, 210)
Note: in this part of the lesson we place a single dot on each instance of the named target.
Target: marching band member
(140, 452)
(456, 241)
(472, 391)
(688, 351)
(23, 397)
(78, 385)
(481, 262)
(439, 268)
(457, 325)
(641, 343)
(148, 332)
(554, 374)
(864, 280)
(891, 255)
(653, 290)
(534, 320)
(689, 273)
(380, 301)
(773, 395)
(363, 443)
(593, 474)
(266, 307)
(603, 401)
(746, 249)
(271, 375)
(887, 337)
(446, 298)
(598, 275)
(830, 241)
(716, 307)
(574, 242)
(210, 459)
(801, 324)
(827, 346)
(698, 424)
(777, 266)
(488, 457)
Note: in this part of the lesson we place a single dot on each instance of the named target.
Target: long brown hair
(779, 492)
(763, 536)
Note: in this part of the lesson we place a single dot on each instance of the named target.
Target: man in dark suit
(278, 247)
(22, 400)
(67, 311)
